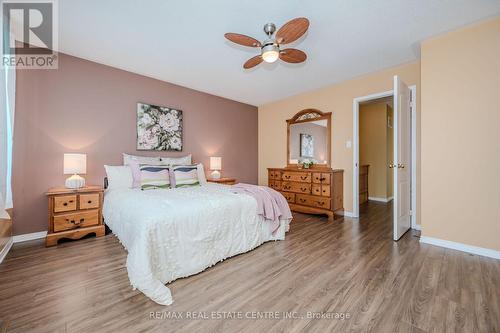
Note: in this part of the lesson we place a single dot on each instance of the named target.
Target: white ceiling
(183, 41)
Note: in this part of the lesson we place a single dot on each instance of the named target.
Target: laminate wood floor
(322, 270)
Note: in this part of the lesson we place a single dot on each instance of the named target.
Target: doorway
(376, 142)
(408, 169)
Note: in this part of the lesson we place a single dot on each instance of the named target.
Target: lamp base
(75, 182)
(215, 174)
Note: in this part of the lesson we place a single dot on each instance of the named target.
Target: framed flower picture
(158, 128)
(306, 145)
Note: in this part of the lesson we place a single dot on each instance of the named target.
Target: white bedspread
(175, 233)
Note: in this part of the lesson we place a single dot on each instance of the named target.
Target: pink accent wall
(91, 108)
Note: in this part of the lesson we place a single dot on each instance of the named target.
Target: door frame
(414, 156)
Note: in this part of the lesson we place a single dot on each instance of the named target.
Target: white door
(402, 155)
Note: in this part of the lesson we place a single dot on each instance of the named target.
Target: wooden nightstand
(225, 181)
(74, 213)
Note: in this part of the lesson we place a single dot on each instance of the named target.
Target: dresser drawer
(312, 201)
(316, 189)
(321, 178)
(76, 220)
(88, 201)
(275, 184)
(290, 197)
(304, 177)
(275, 175)
(296, 187)
(64, 203)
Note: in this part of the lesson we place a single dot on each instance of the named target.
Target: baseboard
(6, 249)
(385, 200)
(416, 227)
(28, 237)
(347, 214)
(481, 251)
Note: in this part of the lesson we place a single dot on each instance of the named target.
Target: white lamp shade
(75, 164)
(215, 163)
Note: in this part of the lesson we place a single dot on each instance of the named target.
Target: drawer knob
(303, 177)
(302, 200)
(89, 202)
(65, 204)
(321, 203)
(322, 178)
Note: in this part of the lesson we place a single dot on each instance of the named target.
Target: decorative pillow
(154, 176)
(128, 159)
(186, 175)
(186, 160)
(119, 176)
(201, 174)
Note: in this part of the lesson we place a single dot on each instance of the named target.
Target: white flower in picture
(158, 128)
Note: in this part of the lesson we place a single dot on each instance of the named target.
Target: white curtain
(7, 100)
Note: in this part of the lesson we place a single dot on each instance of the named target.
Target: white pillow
(185, 160)
(127, 159)
(119, 177)
(201, 174)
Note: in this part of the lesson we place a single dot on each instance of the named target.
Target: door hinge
(411, 212)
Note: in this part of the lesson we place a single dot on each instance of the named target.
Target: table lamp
(215, 165)
(75, 164)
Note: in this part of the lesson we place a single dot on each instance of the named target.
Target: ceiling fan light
(270, 53)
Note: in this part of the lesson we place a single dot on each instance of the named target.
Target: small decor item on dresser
(74, 213)
(224, 180)
(75, 164)
(216, 166)
(158, 128)
(307, 164)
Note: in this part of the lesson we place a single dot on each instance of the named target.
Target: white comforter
(175, 233)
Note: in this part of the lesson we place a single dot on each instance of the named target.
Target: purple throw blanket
(271, 204)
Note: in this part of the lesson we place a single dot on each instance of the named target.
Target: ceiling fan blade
(252, 62)
(292, 30)
(293, 56)
(242, 39)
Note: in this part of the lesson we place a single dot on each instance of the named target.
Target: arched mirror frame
(309, 115)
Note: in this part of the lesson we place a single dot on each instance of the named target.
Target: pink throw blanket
(271, 204)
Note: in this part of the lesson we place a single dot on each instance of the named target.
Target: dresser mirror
(309, 139)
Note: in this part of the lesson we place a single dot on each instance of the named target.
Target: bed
(175, 233)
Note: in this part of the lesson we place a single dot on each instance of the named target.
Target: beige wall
(337, 99)
(461, 136)
(373, 147)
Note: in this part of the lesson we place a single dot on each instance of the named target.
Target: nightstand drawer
(76, 220)
(64, 203)
(88, 201)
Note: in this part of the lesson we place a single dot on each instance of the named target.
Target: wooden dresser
(313, 191)
(363, 183)
(74, 213)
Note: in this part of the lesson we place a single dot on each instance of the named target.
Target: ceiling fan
(270, 48)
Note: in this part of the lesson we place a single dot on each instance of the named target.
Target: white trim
(348, 214)
(5, 250)
(414, 157)
(416, 227)
(355, 153)
(481, 251)
(28, 237)
(355, 139)
(378, 199)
